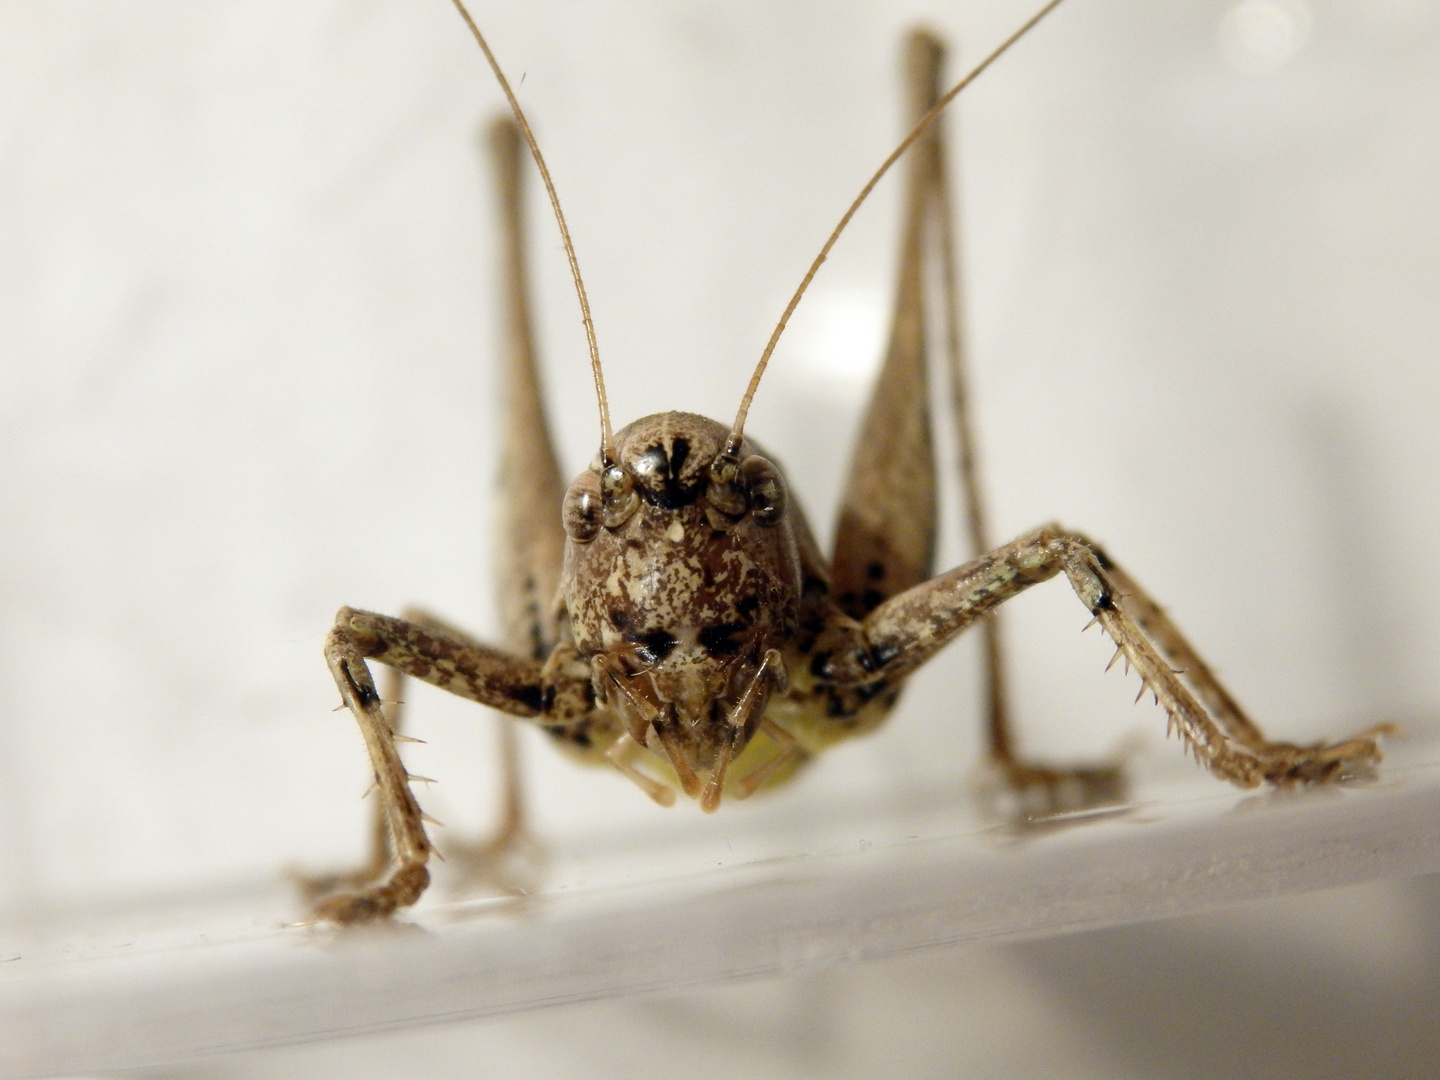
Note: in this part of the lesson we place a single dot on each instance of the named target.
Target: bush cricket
(670, 614)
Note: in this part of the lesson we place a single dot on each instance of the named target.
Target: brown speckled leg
(315, 887)
(508, 860)
(907, 630)
(440, 656)
(405, 827)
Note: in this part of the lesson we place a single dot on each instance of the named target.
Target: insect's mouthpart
(680, 712)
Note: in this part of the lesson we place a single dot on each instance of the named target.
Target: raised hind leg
(531, 543)
(885, 537)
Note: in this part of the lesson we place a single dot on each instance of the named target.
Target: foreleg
(907, 630)
(516, 685)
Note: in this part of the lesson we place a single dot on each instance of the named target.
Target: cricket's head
(682, 578)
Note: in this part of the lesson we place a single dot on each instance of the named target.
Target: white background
(247, 316)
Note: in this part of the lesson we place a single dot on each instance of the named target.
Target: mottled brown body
(694, 636)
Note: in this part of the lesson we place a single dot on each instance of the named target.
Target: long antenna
(607, 439)
(737, 432)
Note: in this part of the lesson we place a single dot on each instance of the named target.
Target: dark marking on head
(875, 571)
(679, 451)
(748, 607)
(657, 475)
(619, 619)
(720, 640)
(872, 598)
(653, 645)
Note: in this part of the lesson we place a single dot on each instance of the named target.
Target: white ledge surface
(177, 979)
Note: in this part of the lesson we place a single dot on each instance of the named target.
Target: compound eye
(581, 510)
(767, 489)
(618, 498)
